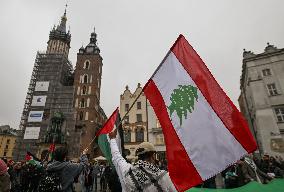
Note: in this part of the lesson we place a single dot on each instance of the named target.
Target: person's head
(266, 157)
(18, 165)
(272, 159)
(146, 152)
(3, 167)
(60, 154)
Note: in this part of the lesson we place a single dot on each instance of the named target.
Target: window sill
(274, 95)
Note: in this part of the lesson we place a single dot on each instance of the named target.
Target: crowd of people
(83, 176)
(250, 168)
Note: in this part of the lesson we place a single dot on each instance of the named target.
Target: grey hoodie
(68, 171)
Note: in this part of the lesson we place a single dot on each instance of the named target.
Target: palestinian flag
(204, 132)
(51, 151)
(103, 141)
(32, 159)
(112, 123)
(108, 126)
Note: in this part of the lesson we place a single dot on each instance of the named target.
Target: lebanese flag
(109, 125)
(204, 132)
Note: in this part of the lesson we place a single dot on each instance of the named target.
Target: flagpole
(91, 142)
(138, 95)
(121, 119)
(130, 108)
(145, 86)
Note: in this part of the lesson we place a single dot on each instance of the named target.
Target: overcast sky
(134, 36)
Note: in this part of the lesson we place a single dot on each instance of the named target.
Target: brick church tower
(87, 83)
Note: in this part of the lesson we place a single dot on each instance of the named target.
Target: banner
(42, 86)
(35, 116)
(274, 186)
(38, 100)
(32, 133)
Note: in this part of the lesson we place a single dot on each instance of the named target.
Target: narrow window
(127, 136)
(85, 78)
(139, 135)
(81, 116)
(138, 117)
(84, 90)
(272, 89)
(280, 114)
(138, 105)
(82, 103)
(266, 72)
(126, 107)
(87, 65)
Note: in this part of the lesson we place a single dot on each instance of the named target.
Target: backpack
(51, 182)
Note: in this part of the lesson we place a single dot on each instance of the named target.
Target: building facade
(51, 112)
(135, 123)
(155, 133)
(140, 124)
(262, 97)
(8, 138)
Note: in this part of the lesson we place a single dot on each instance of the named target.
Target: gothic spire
(59, 35)
(62, 26)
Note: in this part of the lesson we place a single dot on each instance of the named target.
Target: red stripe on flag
(182, 171)
(51, 147)
(28, 157)
(108, 126)
(213, 93)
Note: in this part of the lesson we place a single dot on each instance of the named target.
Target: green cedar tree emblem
(182, 100)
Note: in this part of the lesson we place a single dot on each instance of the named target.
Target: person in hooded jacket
(144, 175)
(67, 170)
(4, 177)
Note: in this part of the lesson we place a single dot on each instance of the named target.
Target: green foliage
(182, 101)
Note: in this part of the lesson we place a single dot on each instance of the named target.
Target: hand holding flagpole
(112, 135)
(108, 126)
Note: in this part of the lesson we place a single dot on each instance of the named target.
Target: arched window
(87, 64)
(127, 135)
(81, 115)
(84, 90)
(139, 134)
(85, 80)
(82, 103)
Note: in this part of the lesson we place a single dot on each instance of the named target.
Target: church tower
(48, 114)
(59, 40)
(87, 83)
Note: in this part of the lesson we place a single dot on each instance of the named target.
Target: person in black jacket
(67, 170)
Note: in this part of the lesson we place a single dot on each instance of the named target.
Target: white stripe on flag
(201, 126)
